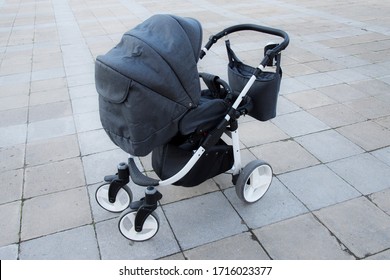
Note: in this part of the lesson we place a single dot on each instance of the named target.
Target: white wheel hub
(122, 201)
(258, 183)
(127, 227)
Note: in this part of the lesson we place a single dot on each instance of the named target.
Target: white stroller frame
(234, 137)
(140, 223)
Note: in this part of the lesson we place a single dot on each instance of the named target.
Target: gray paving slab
(364, 172)
(385, 255)
(52, 150)
(348, 75)
(49, 111)
(13, 135)
(324, 65)
(385, 98)
(254, 134)
(295, 70)
(383, 155)
(361, 226)
(75, 244)
(13, 102)
(86, 67)
(318, 187)
(55, 72)
(318, 80)
(329, 145)
(370, 107)
(10, 222)
(363, 133)
(51, 128)
(299, 123)
(82, 91)
(49, 96)
(385, 79)
(176, 193)
(9, 252)
(12, 89)
(11, 185)
(343, 92)
(15, 78)
(85, 104)
(243, 246)
(87, 121)
(48, 84)
(291, 85)
(285, 106)
(336, 115)
(53, 177)
(13, 117)
(98, 165)
(371, 87)
(382, 200)
(334, 97)
(310, 99)
(276, 205)
(376, 70)
(284, 156)
(223, 181)
(12, 157)
(302, 237)
(203, 219)
(47, 214)
(95, 141)
(174, 257)
(79, 80)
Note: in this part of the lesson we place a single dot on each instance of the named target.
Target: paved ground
(329, 145)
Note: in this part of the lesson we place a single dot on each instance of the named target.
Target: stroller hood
(149, 81)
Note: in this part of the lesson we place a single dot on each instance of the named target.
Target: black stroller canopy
(161, 53)
(149, 81)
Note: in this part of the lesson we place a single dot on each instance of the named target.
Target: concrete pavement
(329, 145)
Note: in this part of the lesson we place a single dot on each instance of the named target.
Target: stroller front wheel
(253, 181)
(127, 226)
(122, 200)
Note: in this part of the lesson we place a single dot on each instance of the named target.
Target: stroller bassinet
(150, 99)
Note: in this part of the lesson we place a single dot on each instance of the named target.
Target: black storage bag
(264, 92)
(169, 159)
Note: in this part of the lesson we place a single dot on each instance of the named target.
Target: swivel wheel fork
(145, 206)
(115, 195)
(140, 223)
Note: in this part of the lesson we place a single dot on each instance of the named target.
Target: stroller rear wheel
(127, 226)
(122, 200)
(253, 181)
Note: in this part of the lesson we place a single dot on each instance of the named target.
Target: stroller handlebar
(251, 27)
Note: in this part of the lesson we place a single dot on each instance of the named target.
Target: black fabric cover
(169, 159)
(206, 116)
(265, 90)
(148, 82)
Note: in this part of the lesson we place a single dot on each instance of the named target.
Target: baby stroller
(151, 101)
